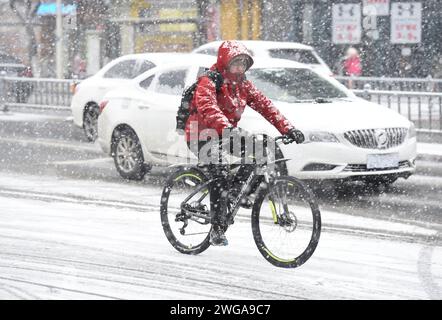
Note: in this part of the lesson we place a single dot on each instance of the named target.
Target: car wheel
(90, 122)
(128, 155)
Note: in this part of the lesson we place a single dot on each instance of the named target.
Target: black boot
(217, 236)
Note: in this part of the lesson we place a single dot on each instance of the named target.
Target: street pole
(59, 41)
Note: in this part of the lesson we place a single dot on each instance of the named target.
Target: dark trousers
(222, 187)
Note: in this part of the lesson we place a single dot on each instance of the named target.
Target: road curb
(429, 168)
(429, 157)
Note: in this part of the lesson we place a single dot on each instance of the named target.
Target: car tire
(90, 122)
(128, 155)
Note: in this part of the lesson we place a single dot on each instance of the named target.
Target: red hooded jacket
(222, 110)
(352, 66)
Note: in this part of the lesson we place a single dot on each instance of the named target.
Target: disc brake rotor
(288, 221)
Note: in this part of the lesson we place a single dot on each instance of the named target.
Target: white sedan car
(273, 49)
(89, 92)
(346, 137)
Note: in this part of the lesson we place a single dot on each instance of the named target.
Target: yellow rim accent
(191, 175)
(273, 208)
(275, 257)
(187, 175)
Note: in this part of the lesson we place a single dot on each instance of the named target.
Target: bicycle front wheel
(286, 222)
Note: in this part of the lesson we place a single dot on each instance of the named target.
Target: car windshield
(293, 85)
(298, 55)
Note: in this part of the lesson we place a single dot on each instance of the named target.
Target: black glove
(295, 135)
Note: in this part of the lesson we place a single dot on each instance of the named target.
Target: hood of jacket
(226, 52)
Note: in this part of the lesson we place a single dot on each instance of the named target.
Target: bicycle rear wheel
(186, 223)
(286, 223)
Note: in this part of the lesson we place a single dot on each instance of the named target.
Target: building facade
(376, 28)
(98, 31)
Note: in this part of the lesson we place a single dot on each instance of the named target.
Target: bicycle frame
(233, 209)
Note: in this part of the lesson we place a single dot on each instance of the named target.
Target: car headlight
(411, 131)
(320, 136)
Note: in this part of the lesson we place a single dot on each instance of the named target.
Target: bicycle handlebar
(284, 139)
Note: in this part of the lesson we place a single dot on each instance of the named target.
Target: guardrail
(423, 108)
(35, 93)
(392, 84)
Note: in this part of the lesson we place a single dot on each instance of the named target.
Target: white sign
(376, 7)
(346, 23)
(406, 22)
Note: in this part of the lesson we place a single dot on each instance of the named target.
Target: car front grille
(376, 138)
(363, 167)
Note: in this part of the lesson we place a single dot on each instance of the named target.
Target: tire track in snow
(158, 270)
(426, 275)
(17, 292)
(51, 287)
(435, 239)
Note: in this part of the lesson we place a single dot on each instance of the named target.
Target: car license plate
(380, 161)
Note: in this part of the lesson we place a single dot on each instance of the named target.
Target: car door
(163, 96)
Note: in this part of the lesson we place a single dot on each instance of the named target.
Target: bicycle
(292, 213)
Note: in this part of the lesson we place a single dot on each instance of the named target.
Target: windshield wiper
(344, 99)
(318, 100)
(322, 100)
(301, 100)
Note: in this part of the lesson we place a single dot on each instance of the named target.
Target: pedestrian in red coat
(221, 112)
(352, 65)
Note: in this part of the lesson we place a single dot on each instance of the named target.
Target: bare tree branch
(30, 9)
(12, 5)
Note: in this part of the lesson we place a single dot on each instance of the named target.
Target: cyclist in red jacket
(221, 111)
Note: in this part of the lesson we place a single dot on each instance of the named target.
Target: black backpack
(184, 109)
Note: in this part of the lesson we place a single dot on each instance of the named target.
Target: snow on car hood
(337, 117)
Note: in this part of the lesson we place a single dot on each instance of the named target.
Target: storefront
(182, 25)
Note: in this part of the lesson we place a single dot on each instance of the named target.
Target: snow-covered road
(78, 239)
